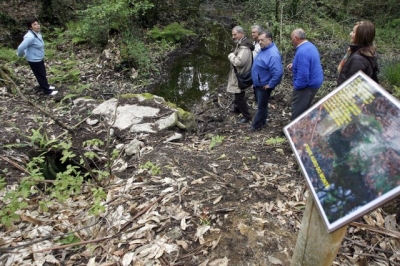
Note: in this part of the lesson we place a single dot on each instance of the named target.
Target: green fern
(154, 169)
(216, 140)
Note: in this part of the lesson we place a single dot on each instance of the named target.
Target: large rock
(141, 113)
(124, 116)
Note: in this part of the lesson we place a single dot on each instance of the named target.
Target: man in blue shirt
(266, 74)
(308, 75)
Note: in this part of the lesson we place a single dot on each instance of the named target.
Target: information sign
(348, 147)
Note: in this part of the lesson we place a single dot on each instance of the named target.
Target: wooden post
(315, 246)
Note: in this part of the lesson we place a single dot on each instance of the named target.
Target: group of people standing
(264, 59)
(260, 56)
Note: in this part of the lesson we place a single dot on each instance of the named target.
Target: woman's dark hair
(365, 33)
(30, 21)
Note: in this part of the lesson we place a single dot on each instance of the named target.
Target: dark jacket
(364, 59)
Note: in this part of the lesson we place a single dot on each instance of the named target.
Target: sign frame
(343, 145)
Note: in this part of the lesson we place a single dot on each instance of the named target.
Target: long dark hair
(364, 34)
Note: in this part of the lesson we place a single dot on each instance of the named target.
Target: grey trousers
(301, 101)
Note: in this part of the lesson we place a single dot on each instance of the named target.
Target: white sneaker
(53, 93)
(52, 88)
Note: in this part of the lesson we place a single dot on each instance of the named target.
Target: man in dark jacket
(308, 75)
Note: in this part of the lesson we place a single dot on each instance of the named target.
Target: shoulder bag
(244, 79)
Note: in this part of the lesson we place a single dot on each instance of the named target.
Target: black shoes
(234, 110)
(253, 129)
(244, 121)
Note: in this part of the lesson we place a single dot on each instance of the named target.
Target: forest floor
(239, 201)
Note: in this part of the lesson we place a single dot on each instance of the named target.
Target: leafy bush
(68, 177)
(99, 21)
(7, 54)
(174, 33)
(135, 51)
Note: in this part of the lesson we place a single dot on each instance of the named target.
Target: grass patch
(9, 55)
(391, 72)
(275, 141)
(66, 72)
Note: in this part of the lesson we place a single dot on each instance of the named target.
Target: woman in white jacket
(32, 47)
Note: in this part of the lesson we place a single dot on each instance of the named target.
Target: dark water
(194, 76)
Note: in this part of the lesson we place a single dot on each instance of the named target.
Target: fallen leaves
(238, 203)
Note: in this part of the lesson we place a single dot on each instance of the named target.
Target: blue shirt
(307, 68)
(32, 47)
(267, 67)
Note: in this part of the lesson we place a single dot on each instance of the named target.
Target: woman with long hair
(361, 54)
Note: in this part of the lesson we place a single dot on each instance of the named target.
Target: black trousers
(39, 70)
(241, 104)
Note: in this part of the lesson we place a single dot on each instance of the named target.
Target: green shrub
(7, 54)
(174, 33)
(136, 52)
(99, 21)
(65, 171)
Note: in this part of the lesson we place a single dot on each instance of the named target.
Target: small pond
(195, 75)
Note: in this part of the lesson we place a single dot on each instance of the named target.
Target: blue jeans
(260, 120)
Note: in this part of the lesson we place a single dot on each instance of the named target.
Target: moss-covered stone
(147, 96)
(172, 105)
(188, 119)
(128, 96)
(141, 96)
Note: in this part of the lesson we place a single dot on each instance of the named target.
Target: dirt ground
(246, 195)
(237, 201)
